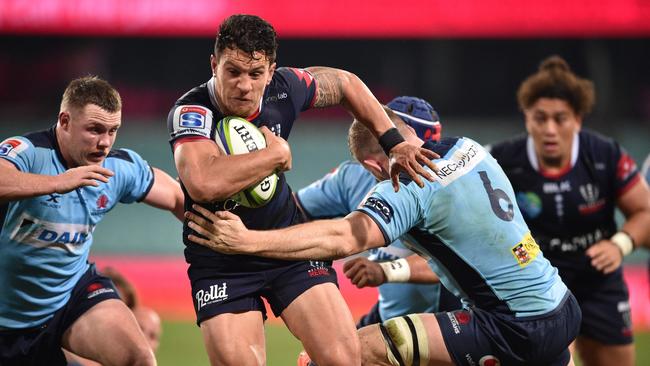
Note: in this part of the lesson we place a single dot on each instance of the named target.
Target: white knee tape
(408, 344)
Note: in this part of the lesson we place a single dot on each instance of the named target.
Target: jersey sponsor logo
(529, 203)
(214, 294)
(590, 194)
(303, 75)
(576, 243)
(556, 187)
(380, 207)
(277, 97)
(12, 147)
(41, 233)
(191, 120)
(526, 250)
(461, 161)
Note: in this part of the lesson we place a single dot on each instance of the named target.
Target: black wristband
(389, 139)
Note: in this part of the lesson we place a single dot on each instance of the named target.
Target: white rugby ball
(235, 136)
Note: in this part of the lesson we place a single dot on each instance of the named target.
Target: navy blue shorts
(215, 292)
(478, 337)
(42, 345)
(604, 301)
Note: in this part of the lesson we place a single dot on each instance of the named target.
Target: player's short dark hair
(555, 80)
(248, 33)
(362, 141)
(91, 90)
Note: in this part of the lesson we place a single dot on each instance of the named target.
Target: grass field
(182, 345)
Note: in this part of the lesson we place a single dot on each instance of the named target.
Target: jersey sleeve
(186, 122)
(627, 172)
(395, 213)
(301, 86)
(135, 177)
(336, 194)
(20, 152)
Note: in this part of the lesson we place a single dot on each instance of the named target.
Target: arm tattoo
(329, 86)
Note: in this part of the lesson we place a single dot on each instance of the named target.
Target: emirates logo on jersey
(590, 193)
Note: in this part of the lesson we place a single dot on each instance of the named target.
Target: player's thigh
(108, 333)
(235, 338)
(595, 353)
(320, 316)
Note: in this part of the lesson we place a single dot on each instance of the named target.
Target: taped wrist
(397, 270)
(389, 139)
(624, 242)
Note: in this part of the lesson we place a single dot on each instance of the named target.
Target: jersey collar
(532, 155)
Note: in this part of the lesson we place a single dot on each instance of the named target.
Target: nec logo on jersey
(380, 207)
(192, 117)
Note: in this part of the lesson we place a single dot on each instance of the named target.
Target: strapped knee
(406, 341)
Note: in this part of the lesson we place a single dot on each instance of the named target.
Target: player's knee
(238, 355)
(342, 353)
(141, 356)
(406, 341)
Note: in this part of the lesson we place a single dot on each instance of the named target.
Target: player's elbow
(206, 192)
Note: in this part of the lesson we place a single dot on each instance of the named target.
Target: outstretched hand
(408, 158)
(223, 231)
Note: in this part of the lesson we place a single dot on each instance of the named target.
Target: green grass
(182, 344)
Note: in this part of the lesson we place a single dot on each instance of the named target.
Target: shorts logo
(526, 250)
(318, 268)
(97, 289)
(216, 293)
(489, 360)
(454, 323)
(192, 117)
(12, 147)
(462, 317)
(380, 207)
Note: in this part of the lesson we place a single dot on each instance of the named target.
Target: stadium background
(467, 59)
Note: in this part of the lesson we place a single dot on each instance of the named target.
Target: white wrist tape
(397, 270)
(624, 242)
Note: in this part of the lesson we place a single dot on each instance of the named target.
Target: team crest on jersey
(590, 193)
(380, 207)
(529, 203)
(12, 147)
(526, 250)
(625, 167)
(192, 120)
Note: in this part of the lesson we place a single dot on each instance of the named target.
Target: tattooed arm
(340, 87)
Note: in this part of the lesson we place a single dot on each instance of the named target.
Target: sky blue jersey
(45, 240)
(339, 193)
(467, 221)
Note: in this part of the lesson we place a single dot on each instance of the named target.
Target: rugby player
(568, 182)
(517, 310)
(227, 290)
(56, 185)
(341, 191)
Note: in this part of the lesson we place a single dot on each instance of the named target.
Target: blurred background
(467, 57)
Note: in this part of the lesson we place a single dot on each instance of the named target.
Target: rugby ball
(235, 136)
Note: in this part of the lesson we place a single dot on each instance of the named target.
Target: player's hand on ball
(279, 146)
(87, 175)
(408, 158)
(605, 256)
(223, 231)
(363, 272)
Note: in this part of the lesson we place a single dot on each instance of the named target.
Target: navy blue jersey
(195, 116)
(570, 211)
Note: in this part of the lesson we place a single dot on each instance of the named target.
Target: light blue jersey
(339, 193)
(45, 240)
(467, 221)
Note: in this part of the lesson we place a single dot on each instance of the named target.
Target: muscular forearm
(638, 227)
(421, 272)
(16, 185)
(217, 178)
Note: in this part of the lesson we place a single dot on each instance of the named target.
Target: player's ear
(213, 64)
(373, 166)
(64, 120)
